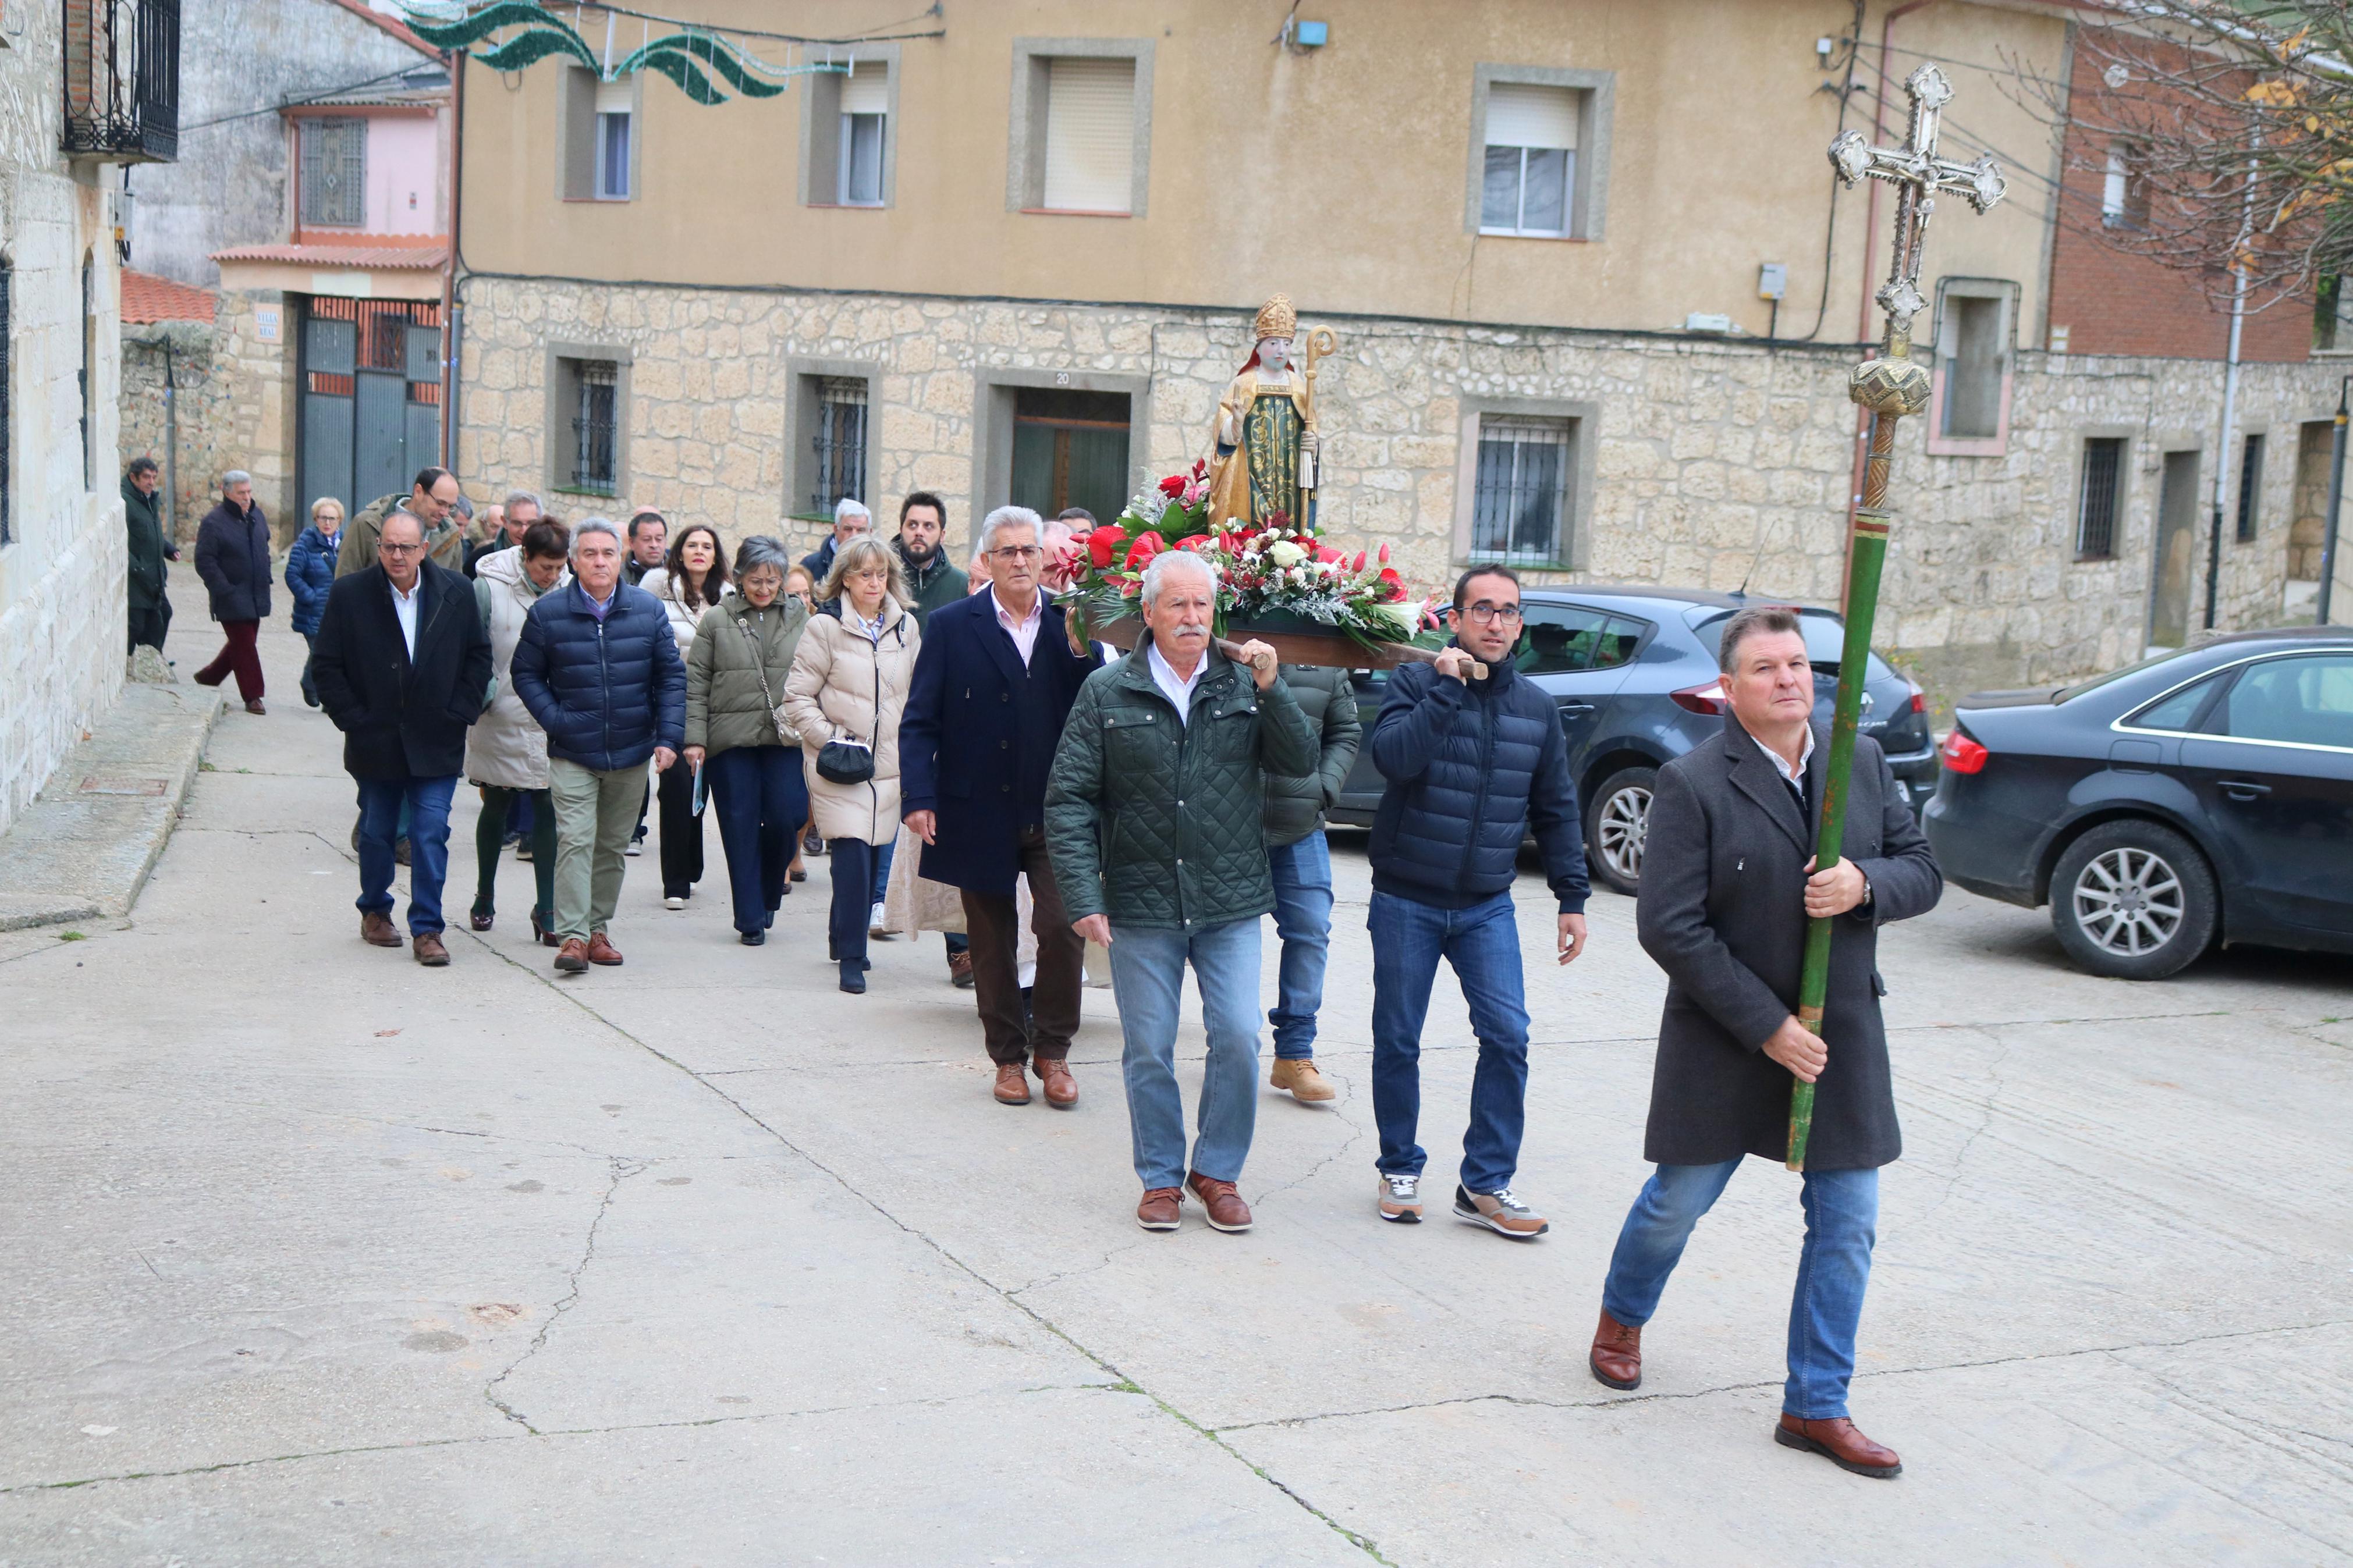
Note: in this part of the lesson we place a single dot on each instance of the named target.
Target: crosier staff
(1892, 386)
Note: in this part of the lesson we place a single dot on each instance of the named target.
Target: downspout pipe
(2230, 400)
(452, 322)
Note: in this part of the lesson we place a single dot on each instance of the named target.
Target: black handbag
(845, 762)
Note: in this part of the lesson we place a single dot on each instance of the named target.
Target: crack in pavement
(1961, 1157)
(622, 1170)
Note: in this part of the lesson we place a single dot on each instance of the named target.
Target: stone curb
(82, 850)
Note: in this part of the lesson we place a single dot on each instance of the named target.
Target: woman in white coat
(848, 684)
(694, 579)
(506, 750)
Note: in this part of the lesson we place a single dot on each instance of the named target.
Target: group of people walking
(1157, 806)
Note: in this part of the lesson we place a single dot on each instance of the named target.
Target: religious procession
(1910, 749)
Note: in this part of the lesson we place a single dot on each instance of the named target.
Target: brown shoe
(1054, 1077)
(430, 952)
(1837, 1441)
(1307, 1085)
(376, 931)
(602, 951)
(573, 957)
(960, 970)
(1162, 1209)
(1227, 1210)
(1012, 1084)
(1617, 1356)
(255, 707)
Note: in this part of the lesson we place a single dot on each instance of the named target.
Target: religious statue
(1266, 442)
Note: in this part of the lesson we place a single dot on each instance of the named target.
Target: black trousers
(149, 626)
(681, 831)
(852, 861)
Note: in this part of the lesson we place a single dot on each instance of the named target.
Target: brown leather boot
(1012, 1084)
(1162, 1209)
(1054, 1077)
(376, 931)
(1617, 1356)
(1837, 1440)
(1227, 1210)
(602, 951)
(573, 959)
(430, 952)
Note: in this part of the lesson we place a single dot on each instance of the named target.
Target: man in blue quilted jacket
(597, 665)
(1474, 761)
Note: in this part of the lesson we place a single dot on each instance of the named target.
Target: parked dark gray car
(1634, 672)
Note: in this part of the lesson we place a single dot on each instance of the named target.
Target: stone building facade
(232, 389)
(62, 556)
(1694, 461)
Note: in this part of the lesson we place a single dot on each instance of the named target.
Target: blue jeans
(761, 799)
(1841, 1221)
(1483, 943)
(1147, 979)
(883, 854)
(1303, 919)
(425, 803)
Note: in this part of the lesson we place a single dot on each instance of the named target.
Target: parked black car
(2199, 794)
(1635, 674)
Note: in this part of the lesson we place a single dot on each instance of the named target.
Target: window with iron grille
(335, 171)
(594, 410)
(840, 442)
(7, 298)
(2095, 507)
(1519, 511)
(2251, 488)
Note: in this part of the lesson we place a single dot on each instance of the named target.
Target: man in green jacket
(142, 517)
(922, 549)
(1301, 861)
(1154, 819)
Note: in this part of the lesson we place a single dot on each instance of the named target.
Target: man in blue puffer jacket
(1473, 763)
(597, 665)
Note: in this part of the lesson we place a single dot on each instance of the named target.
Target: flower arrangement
(1271, 576)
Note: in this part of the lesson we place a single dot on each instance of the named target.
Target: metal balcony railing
(122, 80)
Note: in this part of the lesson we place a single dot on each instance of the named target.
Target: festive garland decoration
(690, 58)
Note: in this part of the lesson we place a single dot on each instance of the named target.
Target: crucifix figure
(1891, 386)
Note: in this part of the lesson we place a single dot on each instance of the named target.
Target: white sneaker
(1401, 1199)
(673, 903)
(636, 846)
(874, 924)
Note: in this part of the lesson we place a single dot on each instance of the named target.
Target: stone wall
(235, 409)
(1707, 462)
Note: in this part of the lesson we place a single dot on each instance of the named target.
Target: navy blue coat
(310, 573)
(402, 717)
(233, 559)
(1471, 767)
(965, 750)
(607, 693)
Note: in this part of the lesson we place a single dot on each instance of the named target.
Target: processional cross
(1891, 386)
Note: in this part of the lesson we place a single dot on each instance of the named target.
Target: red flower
(1173, 486)
(1278, 522)
(1140, 553)
(1102, 543)
(1324, 553)
(1385, 555)
(1358, 563)
(1194, 542)
(1392, 585)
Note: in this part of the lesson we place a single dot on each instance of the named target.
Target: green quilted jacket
(1294, 806)
(1157, 823)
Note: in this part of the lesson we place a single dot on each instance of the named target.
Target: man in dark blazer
(1728, 885)
(993, 681)
(402, 665)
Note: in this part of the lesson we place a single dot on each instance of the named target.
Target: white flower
(1397, 619)
(1286, 553)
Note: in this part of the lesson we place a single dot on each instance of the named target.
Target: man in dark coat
(402, 665)
(1729, 886)
(993, 681)
(597, 665)
(233, 559)
(1299, 859)
(922, 549)
(142, 517)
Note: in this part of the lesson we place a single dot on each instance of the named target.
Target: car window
(1825, 637)
(2085, 688)
(1618, 642)
(2306, 701)
(2180, 710)
(1557, 638)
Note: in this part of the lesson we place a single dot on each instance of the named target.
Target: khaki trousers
(594, 815)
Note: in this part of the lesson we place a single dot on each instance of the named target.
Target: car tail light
(1962, 754)
(1707, 699)
(1919, 700)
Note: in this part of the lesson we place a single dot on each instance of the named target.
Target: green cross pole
(1891, 386)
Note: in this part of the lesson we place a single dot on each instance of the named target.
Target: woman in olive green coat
(735, 672)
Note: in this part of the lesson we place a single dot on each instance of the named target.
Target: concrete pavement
(318, 1257)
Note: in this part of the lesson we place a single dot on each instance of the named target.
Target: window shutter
(1522, 116)
(1090, 135)
(616, 97)
(866, 90)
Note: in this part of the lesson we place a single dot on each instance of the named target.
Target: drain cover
(118, 783)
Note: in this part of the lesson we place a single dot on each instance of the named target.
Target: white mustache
(1192, 629)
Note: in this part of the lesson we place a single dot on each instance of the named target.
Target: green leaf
(530, 48)
(711, 52)
(473, 29)
(681, 70)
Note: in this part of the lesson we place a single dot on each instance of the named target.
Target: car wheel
(1617, 821)
(2133, 900)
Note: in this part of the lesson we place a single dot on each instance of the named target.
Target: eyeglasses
(398, 549)
(1484, 612)
(1018, 553)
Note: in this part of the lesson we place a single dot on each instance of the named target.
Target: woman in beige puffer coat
(849, 682)
(506, 750)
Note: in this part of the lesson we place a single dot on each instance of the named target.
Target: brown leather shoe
(376, 931)
(1162, 1209)
(573, 957)
(960, 970)
(430, 952)
(602, 951)
(1054, 1077)
(1837, 1441)
(1617, 1356)
(1012, 1084)
(1227, 1210)
(256, 709)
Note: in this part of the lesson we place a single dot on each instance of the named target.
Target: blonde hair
(326, 503)
(857, 556)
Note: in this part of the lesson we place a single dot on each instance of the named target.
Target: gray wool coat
(1723, 911)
